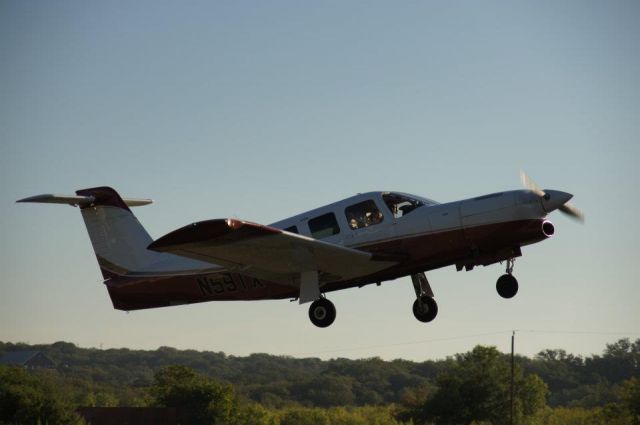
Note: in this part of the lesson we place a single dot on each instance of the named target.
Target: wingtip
(49, 198)
(32, 198)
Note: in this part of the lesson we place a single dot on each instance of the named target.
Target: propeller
(566, 207)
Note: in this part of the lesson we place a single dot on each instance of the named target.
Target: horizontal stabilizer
(80, 201)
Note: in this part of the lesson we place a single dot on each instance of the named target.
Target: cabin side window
(400, 205)
(324, 226)
(363, 214)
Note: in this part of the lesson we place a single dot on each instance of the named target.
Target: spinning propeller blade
(572, 211)
(566, 208)
(530, 184)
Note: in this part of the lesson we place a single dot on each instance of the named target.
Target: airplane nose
(554, 199)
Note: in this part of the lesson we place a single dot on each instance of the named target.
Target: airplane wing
(251, 247)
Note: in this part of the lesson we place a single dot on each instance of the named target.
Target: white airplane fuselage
(367, 238)
(476, 231)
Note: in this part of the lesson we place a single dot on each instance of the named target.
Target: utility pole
(513, 337)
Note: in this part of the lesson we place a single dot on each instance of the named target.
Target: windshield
(401, 204)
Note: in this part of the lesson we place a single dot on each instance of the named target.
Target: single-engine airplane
(368, 238)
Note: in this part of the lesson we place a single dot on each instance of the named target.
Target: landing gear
(425, 308)
(322, 312)
(507, 285)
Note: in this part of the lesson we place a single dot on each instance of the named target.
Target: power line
(453, 338)
(539, 331)
(397, 344)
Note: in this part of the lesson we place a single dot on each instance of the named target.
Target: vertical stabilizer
(119, 240)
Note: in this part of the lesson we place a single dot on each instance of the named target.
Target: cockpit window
(363, 214)
(401, 205)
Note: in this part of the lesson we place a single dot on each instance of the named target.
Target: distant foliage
(209, 402)
(274, 390)
(476, 388)
(33, 398)
(206, 401)
(586, 382)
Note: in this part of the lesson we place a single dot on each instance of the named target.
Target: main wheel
(425, 309)
(507, 286)
(322, 312)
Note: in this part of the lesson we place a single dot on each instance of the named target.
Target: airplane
(364, 239)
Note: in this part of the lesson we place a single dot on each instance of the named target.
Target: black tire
(507, 286)
(425, 309)
(322, 312)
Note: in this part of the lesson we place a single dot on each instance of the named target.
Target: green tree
(25, 398)
(255, 414)
(328, 390)
(206, 400)
(620, 361)
(304, 416)
(477, 388)
(630, 397)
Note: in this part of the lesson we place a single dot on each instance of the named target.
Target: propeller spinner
(552, 199)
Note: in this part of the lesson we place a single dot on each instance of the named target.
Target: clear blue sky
(261, 110)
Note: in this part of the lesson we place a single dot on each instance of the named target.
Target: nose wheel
(425, 308)
(322, 312)
(507, 284)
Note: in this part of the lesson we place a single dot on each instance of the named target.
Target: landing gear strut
(507, 285)
(425, 308)
(322, 312)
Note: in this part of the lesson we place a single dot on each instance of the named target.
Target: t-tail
(119, 240)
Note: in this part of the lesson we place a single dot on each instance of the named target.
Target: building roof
(18, 357)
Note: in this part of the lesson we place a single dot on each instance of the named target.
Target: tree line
(552, 387)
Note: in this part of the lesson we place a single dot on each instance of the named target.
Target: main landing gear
(322, 312)
(507, 285)
(425, 308)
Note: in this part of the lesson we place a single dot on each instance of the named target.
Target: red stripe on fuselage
(129, 293)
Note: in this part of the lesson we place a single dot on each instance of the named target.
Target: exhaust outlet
(548, 229)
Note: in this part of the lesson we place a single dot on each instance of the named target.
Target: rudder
(119, 240)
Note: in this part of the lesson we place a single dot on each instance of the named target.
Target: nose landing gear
(425, 308)
(507, 284)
